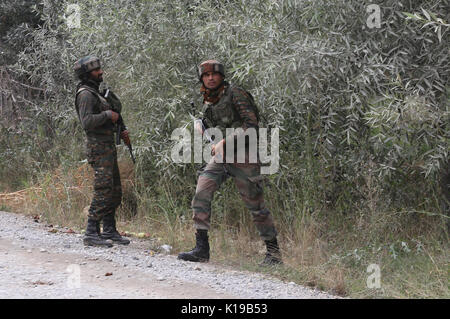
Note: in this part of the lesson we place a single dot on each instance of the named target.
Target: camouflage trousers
(249, 184)
(102, 156)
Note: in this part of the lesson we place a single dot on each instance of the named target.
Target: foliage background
(363, 112)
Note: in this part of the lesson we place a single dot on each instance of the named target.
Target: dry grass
(329, 252)
(61, 196)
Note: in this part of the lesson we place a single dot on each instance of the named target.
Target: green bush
(351, 102)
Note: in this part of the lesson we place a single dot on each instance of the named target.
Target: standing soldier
(228, 106)
(98, 116)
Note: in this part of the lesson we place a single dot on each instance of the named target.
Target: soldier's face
(97, 75)
(212, 80)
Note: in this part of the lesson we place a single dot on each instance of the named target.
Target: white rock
(166, 249)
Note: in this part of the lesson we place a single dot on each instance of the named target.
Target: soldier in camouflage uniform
(228, 106)
(98, 119)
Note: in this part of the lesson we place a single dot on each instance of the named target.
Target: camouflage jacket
(236, 108)
(94, 112)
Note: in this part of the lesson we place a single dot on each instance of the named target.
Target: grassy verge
(331, 251)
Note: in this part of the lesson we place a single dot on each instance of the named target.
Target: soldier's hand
(217, 149)
(114, 116)
(198, 126)
(125, 137)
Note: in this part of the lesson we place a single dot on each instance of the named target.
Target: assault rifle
(120, 127)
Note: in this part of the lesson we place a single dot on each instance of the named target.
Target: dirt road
(41, 262)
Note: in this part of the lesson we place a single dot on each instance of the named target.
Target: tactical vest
(104, 104)
(223, 114)
(104, 132)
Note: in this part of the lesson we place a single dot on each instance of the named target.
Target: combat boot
(273, 255)
(110, 231)
(201, 251)
(91, 237)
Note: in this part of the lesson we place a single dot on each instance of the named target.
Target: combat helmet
(210, 66)
(85, 65)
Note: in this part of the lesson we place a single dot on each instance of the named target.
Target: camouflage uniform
(226, 106)
(235, 108)
(97, 113)
(94, 113)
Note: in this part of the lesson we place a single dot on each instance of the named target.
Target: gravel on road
(41, 262)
